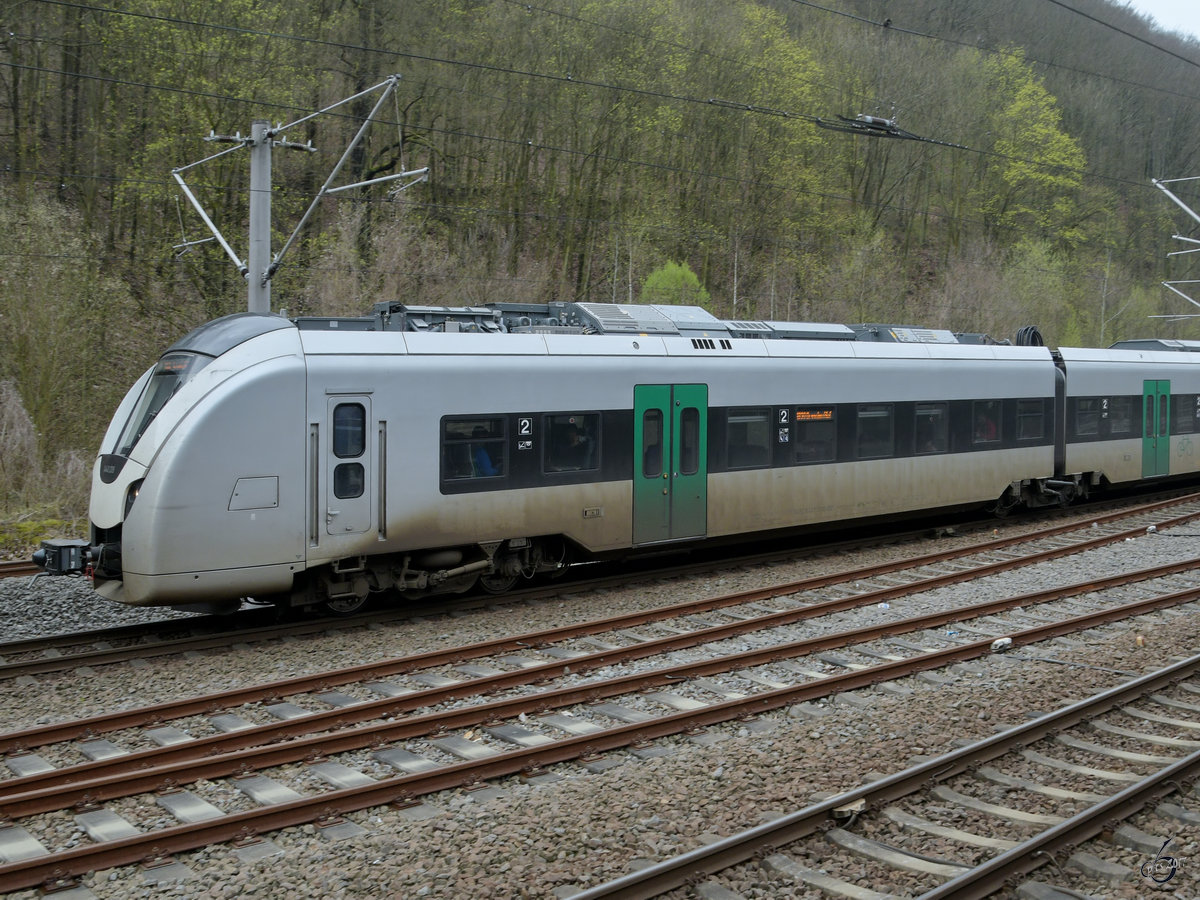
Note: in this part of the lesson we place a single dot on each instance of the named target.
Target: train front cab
(193, 498)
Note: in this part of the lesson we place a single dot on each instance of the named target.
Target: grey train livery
(423, 450)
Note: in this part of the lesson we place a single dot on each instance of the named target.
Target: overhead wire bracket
(1161, 184)
(261, 140)
(239, 142)
(878, 127)
(418, 175)
(185, 246)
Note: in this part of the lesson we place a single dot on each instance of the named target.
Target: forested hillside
(575, 147)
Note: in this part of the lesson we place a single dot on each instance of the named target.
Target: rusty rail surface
(982, 880)
(27, 739)
(206, 625)
(329, 804)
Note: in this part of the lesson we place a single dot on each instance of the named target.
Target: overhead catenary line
(711, 101)
(621, 160)
(569, 78)
(758, 109)
(728, 104)
(885, 24)
(747, 107)
(877, 126)
(1128, 34)
(898, 29)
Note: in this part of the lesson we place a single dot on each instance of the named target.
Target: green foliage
(59, 319)
(19, 458)
(574, 149)
(1037, 285)
(865, 283)
(674, 284)
(1037, 177)
(25, 531)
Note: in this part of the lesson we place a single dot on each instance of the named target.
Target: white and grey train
(424, 450)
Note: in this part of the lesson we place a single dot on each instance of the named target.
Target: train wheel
(563, 552)
(345, 606)
(342, 596)
(497, 583)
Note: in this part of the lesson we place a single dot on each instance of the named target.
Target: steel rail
(343, 716)
(247, 750)
(17, 568)
(327, 806)
(178, 645)
(386, 616)
(132, 631)
(687, 868)
(988, 877)
(26, 739)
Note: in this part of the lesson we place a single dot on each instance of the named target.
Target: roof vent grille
(711, 344)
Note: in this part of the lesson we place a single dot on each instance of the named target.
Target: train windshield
(173, 371)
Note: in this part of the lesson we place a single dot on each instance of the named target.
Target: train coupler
(63, 557)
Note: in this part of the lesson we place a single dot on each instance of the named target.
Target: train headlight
(131, 495)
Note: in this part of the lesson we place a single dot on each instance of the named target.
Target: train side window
(349, 442)
(571, 441)
(348, 480)
(689, 441)
(1031, 420)
(473, 448)
(748, 437)
(876, 430)
(816, 434)
(1183, 413)
(932, 428)
(986, 416)
(1087, 415)
(349, 430)
(652, 446)
(1120, 415)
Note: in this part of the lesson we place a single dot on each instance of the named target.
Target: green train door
(670, 479)
(1156, 430)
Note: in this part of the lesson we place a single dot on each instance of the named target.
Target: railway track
(17, 568)
(959, 826)
(966, 564)
(62, 653)
(436, 718)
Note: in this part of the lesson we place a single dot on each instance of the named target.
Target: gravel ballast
(546, 838)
